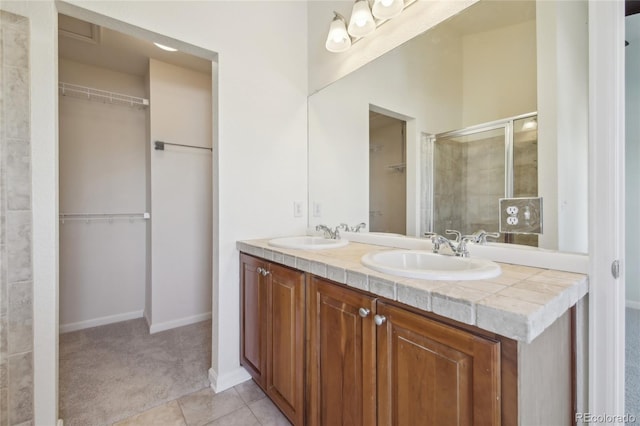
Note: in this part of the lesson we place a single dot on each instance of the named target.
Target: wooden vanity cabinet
(371, 362)
(272, 332)
(434, 374)
(341, 379)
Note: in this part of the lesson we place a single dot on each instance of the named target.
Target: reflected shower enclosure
(469, 170)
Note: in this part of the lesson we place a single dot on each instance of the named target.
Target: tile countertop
(520, 303)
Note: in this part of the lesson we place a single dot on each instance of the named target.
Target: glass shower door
(469, 177)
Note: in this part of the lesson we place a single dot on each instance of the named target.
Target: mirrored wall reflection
(472, 168)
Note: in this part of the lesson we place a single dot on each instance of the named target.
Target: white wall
(563, 123)
(102, 170)
(632, 132)
(181, 196)
(261, 154)
(499, 73)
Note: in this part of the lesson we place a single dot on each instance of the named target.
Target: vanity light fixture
(361, 23)
(167, 48)
(338, 39)
(387, 9)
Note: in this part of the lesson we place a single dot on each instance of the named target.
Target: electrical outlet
(297, 209)
(520, 215)
(317, 209)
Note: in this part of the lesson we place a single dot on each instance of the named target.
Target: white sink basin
(307, 243)
(430, 266)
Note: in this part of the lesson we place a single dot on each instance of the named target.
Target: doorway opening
(387, 174)
(135, 221)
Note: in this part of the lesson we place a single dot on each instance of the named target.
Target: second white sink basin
(307, 243)
(430, 266)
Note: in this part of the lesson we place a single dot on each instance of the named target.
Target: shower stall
(467, 171)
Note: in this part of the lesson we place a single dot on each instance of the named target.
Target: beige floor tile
(168, 414)
(205, 406)
(268, 414)
(241, 417)
(249, 391)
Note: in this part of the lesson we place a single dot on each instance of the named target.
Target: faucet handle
(458, 234)
(494, 235)
(481, 236)
(359, 226)
(344, 226)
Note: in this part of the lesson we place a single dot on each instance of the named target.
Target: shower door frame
(428, 148)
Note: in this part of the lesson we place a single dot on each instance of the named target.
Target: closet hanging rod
(99, 216)
(111, 97)
(159, 146)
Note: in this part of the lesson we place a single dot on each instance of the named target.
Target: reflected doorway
(387, 174)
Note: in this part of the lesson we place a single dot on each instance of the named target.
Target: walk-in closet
(135, 203)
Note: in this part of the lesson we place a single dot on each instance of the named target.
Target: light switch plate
(520, 215)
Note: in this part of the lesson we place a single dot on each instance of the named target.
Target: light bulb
(361, 23)
(387, 9)
(338, 39)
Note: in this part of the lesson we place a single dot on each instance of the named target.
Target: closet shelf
(87, 217)
(103, 95)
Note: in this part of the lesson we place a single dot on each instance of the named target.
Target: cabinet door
(285, 341)
(342, 356)
(433, 374)
(253, 299)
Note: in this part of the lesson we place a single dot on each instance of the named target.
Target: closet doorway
(387, 174)
(135, 167)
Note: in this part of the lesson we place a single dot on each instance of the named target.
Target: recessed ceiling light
(167, 48)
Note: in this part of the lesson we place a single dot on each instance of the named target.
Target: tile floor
(243, 405)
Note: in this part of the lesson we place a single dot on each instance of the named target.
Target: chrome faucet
(481, 236)
(348, 228)
(458, 246)
(328, 233)
(359, 226)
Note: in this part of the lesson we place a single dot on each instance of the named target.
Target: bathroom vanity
(332, 342)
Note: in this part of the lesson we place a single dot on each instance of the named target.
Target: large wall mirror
(371, 132)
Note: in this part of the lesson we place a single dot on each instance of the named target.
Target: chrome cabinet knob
(259, 270)
(265, 272)
(379, 319)
(364, 312)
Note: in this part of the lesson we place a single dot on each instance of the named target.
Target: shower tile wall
(484, 183)
(16, 273)
(449, 192)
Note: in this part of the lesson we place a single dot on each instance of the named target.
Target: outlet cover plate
(527, 218)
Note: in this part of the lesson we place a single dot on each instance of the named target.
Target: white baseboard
(227, 380)
(168, 325)
(65, 328)
(633, 304)
(60, 423)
